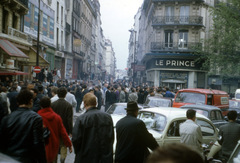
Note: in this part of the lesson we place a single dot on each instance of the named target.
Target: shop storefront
(50, 57)
(175, 72)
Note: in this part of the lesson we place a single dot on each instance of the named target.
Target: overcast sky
(117, 18)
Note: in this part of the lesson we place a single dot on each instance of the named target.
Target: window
(184, 15)
(169, 15)
(206, 128)
(212, 116)
(168, 39)
(183, 40)
(62, 15)
(153, 121)
(57, 12)
(174, 128)
(219, 115)
(4, 20)
(188, 97)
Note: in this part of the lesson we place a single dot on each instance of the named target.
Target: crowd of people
(36, 123)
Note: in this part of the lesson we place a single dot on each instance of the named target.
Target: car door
(209, 132)
(172, 134)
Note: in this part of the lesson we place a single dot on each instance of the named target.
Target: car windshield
(234, 104)
(238, 96)
(155, 102)
(188, 97)
(117, 109)
(153, 121)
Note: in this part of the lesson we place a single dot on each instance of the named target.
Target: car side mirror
(225, 118)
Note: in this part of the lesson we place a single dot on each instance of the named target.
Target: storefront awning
(12, 72)
(32, 59)
(172, 81)
(11, 49)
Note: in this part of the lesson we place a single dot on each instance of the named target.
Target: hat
(132, 105)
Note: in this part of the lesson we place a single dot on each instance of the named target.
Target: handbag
(46, 135)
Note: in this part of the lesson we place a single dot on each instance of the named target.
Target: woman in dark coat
(78, 97)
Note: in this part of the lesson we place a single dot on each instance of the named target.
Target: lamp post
(134, 52)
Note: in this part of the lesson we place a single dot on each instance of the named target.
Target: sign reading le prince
(174, 63)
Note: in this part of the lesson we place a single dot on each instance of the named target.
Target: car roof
(171, 112)
(158, 97)
(234, 100)
(205, 91)
(203, 107)
(124, 104)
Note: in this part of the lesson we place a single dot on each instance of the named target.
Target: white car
(163, 123)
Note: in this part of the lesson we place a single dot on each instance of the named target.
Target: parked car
(117, 111)
(156, 101)
(202, 96)
(234, 104)
(163, 123)
(211, 112)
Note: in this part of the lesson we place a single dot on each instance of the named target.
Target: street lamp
(134, 52)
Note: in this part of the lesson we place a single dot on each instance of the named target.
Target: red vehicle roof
(205, 91)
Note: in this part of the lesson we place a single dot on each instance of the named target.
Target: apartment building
(170, 31)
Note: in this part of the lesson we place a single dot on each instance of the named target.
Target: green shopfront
(174, 71)
(50, 57)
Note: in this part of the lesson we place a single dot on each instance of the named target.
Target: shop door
(69, 66)
(58, 62)
(75, 69)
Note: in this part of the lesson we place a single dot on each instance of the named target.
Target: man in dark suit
(133, 138)
(84, 90)
(98, 94)
(40, 94)
(12, 96)
(108, 98)
(230, 135)
(64, 109)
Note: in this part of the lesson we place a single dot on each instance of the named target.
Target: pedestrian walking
(230, 134)
(122, 95)
(93, 134)
(12, 96)
(71, 99)
(21, 132)
(64, 109)
(54, 124)
(107, 98)
(78, 96)
(133, 138)
(54, 94)
(98, 94)
(133, 96)
(190, 132)
(36, 106)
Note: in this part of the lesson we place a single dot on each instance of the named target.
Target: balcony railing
(18, 34)
(176, 46)
(177, 20)
(24, 2)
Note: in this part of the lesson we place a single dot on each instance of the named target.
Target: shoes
(62, 160)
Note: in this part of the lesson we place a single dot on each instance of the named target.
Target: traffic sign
(37, 69)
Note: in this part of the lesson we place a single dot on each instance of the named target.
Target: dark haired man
(21, 134)
(64, 109)
(190, 132)
(40, 92)
(36, 106)
(174, 153)
(230, 135)
(98, 94)
(108, 98)
(12, 96)
(133, 138)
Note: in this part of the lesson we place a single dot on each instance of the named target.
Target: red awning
(11, 49)
(12, 72)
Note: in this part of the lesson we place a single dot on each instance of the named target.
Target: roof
(205, 91)
(202, 107)
(171, 112)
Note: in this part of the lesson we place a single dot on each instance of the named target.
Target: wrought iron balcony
(177, 20)
(24, 2)
(174, 47)
(18, 34)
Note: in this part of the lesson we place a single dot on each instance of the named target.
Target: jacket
(122, 96)
(191, 135)
(133, 97)
(71, 99)
(141, 98)
(36, 105)
(93, 137)
(3, 106)
(55, 125)
(133, 139)
(64, 109)
(12, 96)
(169, 94)
(84, 91)
(21, 136)
(40, 96)
(98, 94)
(230, 135)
